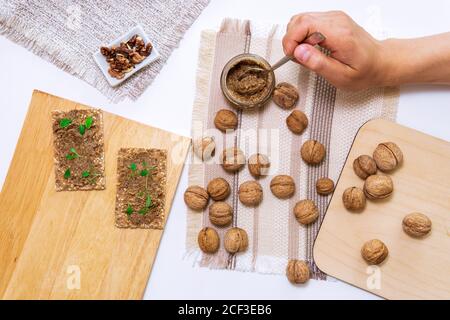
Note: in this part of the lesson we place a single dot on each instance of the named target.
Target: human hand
(356, 59)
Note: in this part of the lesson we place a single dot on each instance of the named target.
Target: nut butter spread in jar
(247, 90)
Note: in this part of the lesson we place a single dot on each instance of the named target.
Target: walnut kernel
(378, 187)
(236, 240)
(297, 122)
(312, 152)
(306, 211)
(250, 193)
(136, 58)
(218, 189)
(364, 166)
(297, 271)
(116, 73)
(196, 198)
(285, 95)
(208, 240)
(374, 251)
(416, 224)
(354, 199)
(220, 213)
(282, 186)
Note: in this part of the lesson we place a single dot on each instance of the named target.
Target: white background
(426, 108)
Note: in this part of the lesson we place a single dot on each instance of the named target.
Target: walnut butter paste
(249, 88)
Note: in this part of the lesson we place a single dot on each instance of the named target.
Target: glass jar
(252, 100)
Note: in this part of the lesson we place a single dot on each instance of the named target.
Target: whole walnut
(204, 148)
(374, 251)
(258, 165)
(297, 121)
(364, 166)
(233, 159)
(388, 156)
(297, 271)
(416, 224)
(220, 213)
(218, 189)
(282, 186)
(354, 199)
(250, 193)
(312, 152)
(225, 120)
(196, 198)
(236, 240)
(378, 187)
(324, 186)
(208, 240)
(306, 211)
(285, 95)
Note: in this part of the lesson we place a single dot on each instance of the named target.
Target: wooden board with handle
(64, 245)
(415, 268)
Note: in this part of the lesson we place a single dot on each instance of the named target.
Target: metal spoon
(313, 39)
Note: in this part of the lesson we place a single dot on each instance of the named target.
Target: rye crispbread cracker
(78, 150)
(141, 188)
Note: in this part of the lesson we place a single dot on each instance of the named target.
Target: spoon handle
(313, 39)
(281, 62)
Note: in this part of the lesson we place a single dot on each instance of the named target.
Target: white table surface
(426, 108)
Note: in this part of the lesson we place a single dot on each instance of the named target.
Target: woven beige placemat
(67, 33)
(334, 118)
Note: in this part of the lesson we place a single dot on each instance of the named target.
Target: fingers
(298, 29)
(329, 68)
(289, 42)
(314, 38)
(303, 25)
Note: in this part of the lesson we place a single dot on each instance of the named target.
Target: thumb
(315, 60)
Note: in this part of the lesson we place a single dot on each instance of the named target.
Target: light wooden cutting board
(415, 268)
(63, 245)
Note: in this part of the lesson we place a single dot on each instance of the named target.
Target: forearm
(421, 60)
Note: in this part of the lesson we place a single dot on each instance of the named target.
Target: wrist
(391, 63)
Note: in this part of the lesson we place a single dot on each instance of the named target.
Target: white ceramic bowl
(104, 65)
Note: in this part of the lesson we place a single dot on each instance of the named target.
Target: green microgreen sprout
(143, 211)
(88, 122)
(144, 194)
(64, 123)
(144, 172)
(129, 210)
(86, 125)
(91, 174)
(133, 166)
(72, 154)
(148, 201)
(67, 174)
